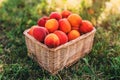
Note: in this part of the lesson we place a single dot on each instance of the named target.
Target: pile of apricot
(59, 28)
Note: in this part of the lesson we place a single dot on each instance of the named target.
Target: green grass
(103, 62)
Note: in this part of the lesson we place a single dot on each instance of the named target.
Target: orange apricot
(75, 20)
(52, 40)
(73, 34)
(51, 25)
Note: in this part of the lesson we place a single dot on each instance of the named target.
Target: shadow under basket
(55, 59)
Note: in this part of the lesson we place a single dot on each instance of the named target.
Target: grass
(103, 62)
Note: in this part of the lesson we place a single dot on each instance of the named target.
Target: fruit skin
(52, 40)
(31, 30)
(62, 36)
(46, 31)
(73, 34)
(55, 15)
(75, 28)
(64, 25)
(65, 13)
(39, 33)
(41, 22)
(86, 26)
(75, 20)
(51, 25)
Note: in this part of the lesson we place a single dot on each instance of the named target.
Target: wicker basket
(55, 59)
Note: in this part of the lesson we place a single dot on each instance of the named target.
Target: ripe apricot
(52, 40)
(39, 33)
(75, 20)
(41, 22)
(62, 36)
(31, 30)
(65, 13)
(73, 34)
(86, 26)
(55, 15)
(64, 25)
(51, 25)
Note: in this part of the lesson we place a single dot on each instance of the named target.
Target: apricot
(31, 30)
(51, 25)
(73, 34)
(62, 36)
(52, 40)
(65, 13)
(46, 31)
(42, 21)
(64, 25)
(40, 33)
(75, 20)
(86, 26)
(55, 15)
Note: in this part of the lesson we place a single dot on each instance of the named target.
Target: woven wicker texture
(55, 59)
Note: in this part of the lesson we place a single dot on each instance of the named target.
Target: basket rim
(60, 46)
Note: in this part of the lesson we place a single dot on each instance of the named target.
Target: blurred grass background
(103, 63)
